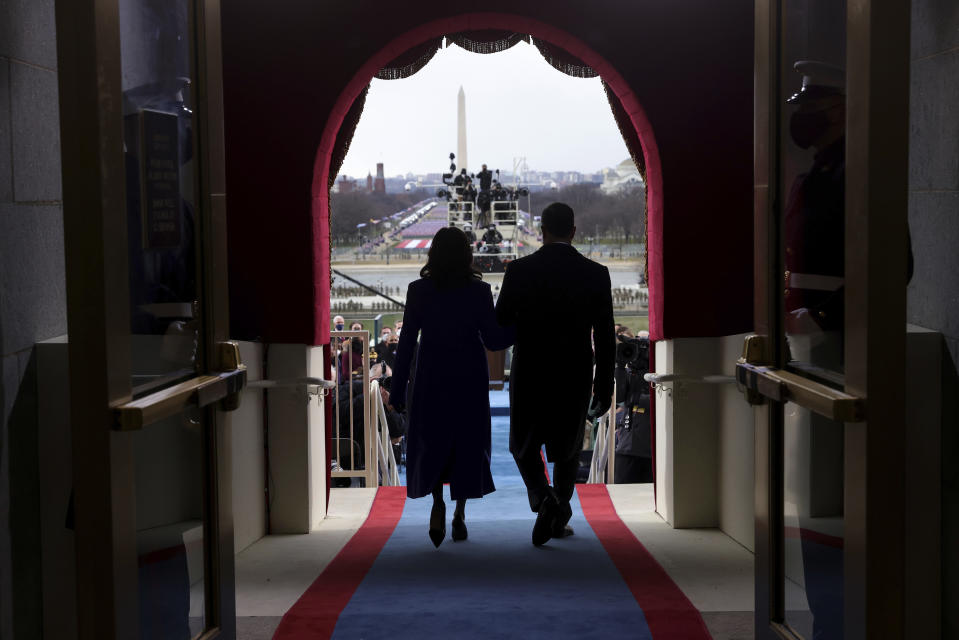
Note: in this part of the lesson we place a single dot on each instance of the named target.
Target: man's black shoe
(563, 531)
(545, 522)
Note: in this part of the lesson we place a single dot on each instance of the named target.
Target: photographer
(491, 239)
(634, 461)
(484, 200)
(485, 179)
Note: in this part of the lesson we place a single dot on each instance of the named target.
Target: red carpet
(669, 613)
(314, 615)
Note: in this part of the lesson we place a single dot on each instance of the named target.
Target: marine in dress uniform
(815, 219)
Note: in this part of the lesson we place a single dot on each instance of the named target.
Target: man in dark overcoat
(552, 379)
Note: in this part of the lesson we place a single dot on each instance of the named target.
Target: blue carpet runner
(496, 584)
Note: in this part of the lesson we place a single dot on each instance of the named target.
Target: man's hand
(598, 406)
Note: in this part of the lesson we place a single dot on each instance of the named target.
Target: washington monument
(461, 130)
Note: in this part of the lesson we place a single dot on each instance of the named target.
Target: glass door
(152, 373)
(825, 368)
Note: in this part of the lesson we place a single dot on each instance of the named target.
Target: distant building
(622, 176)
(346, 185)
(379, 185)
(369, 183)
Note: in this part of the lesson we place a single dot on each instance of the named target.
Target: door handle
(223, 386)
(760, 383)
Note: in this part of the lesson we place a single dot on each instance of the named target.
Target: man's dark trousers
(531, 467)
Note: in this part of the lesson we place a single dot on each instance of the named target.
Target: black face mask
(806, 128)
(391, 347)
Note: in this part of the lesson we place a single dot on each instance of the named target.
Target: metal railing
(361, 441)
(602, 467)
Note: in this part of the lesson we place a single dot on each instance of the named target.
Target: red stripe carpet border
(314, 615)
(669, 613)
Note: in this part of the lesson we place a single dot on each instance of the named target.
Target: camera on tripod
(632, 363)
(633, 353)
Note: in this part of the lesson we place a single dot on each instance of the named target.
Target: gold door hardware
(761, 382)
(223, 386)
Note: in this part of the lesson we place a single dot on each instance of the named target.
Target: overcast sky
(516, 105)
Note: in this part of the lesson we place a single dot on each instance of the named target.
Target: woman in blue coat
(451, 311)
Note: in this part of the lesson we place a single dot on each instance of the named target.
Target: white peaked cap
(819, 79)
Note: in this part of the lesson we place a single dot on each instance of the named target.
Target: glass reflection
(155, 38)
(168, 458)
(814, 151)
(813, 161)
(813, 523)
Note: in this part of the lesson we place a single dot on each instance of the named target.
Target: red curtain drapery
(408, 63)
(345, 135)
(340, 148)
(635, 148)
(562, 60)
(487, 40)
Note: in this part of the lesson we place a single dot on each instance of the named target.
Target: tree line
(601, 215)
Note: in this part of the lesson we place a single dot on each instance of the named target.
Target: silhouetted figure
(448, 439)
(484, 199)
(485, 179)
(550, 385)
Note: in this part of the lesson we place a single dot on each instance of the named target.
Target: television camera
(491, 215)
(632, 363)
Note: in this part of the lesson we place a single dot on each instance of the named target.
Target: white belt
(814, 281)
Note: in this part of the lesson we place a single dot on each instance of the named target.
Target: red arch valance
(408, 63)
(561, 60)
(487, 40)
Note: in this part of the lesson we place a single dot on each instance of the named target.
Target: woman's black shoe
(438, 523)
(459, 528)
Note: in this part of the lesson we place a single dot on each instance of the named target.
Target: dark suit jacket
(557, 300)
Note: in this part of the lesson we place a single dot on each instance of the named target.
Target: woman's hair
(450, 260)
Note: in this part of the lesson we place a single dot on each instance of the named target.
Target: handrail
(662, 378)
(602, 465)
(369, 288)
(389, 474)
(292, 382)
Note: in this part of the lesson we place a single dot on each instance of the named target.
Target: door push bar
(221, 386)
(760, 383)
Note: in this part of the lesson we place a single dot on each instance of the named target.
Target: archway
(473, 22)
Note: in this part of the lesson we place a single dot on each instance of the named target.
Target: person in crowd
(399, 327)
(470, 236)
(338, 323)
(450, 309)
(624, 332)
(387, 350)
(552, 409)
(396, 422)
(351, 359)
(356, 326)
(385, 334)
